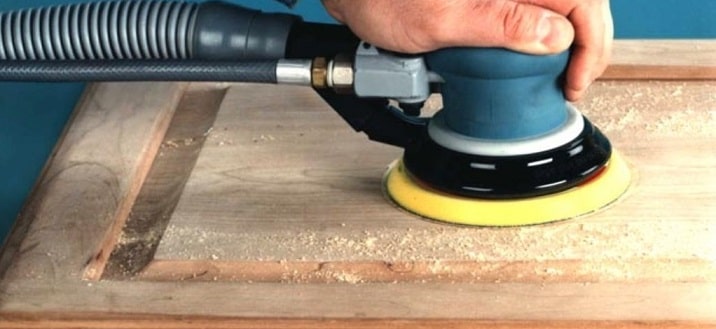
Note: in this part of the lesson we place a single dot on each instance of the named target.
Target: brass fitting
(319, 73)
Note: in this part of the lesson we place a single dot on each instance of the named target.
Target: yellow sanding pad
(589, 197)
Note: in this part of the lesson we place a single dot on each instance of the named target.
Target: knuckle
(444, 24)
(517, 23)
(333, 7)
(437, 32)
(427, 33)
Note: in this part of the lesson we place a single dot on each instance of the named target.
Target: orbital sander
(506, 149)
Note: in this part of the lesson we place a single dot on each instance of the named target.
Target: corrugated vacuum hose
(100, 30)
(142, 40)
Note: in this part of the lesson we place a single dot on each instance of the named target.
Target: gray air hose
(85, 38)
(150, 70)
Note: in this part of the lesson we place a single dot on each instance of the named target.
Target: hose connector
(225, 31)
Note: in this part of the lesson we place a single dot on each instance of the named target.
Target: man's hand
(531, 26)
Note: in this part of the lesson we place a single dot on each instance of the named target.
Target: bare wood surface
(654, 247)
(94, 174)
(665, 302)
(139, 321)
(286, 193)
(123, 163)
(662, 60)
(151, 211)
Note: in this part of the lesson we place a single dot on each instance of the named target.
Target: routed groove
(99, 30)
(164, 184)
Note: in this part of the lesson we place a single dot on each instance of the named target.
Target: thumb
(517, 26)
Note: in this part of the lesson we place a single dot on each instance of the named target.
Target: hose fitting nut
(341, 74)
(319, 73)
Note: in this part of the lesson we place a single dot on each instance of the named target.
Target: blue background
(33, 115)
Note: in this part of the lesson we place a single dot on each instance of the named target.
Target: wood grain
(286, 193)
(122, 183)
(285, 198)
(97, 168)
(151, 211)
(138, 321)
(441, 271)
(618, 302)
(662, 60)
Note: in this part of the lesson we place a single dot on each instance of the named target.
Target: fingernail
(555, 33)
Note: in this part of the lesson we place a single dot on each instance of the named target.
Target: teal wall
(664, 18)
(31, 118)
(33, 115)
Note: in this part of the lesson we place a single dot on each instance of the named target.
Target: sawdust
(607, 252)
(565, 241)
(322, 276)
(263, 138)
(659, 108)
(220, 136)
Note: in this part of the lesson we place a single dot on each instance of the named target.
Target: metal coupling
(337, 74)
(319, 73)
(294, 72)
(341, 74)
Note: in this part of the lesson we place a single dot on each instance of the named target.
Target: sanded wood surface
(282, 223)
(284, 192)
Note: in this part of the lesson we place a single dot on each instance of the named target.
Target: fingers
(419, 26)
(389, 24)
(592, 47)
(530, 26)
(510, 24)
(333, 7)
